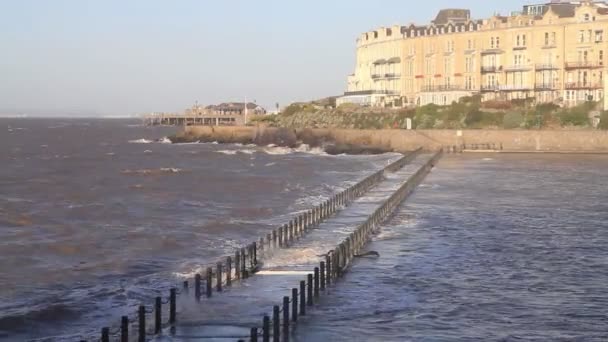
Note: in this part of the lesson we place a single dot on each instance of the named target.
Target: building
(552, 52)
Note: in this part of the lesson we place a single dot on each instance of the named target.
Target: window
(546, 38)
(586, 17)
(518, 42)
(492, 42)
(599, 36)
(497, 42)
(553, 39)
(581, 36)
(523, 40)
(601, 57)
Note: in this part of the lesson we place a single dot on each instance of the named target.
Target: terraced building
(553, 52)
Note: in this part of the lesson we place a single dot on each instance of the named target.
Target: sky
(123, 57)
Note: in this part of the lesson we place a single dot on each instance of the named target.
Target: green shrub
(576, 116)
(473, 117)
(603, 120)
(547, 107)
(512, 120)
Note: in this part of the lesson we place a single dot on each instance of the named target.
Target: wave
(165, 140)
(140, 141)
(227, 152)
(145, 172)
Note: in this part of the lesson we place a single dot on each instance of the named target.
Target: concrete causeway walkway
(229, 315)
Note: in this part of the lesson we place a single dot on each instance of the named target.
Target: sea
(98, 215)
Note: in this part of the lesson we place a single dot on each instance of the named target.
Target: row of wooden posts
(337, 262)
(245, 260)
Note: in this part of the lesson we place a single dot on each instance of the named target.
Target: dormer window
(389, 32)
(586, 17)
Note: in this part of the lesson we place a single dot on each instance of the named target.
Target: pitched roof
(451, 14)
(563, 10)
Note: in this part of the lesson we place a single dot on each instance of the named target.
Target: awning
(380, 61)
(394, 60)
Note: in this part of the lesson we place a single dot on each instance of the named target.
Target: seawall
(581, 141)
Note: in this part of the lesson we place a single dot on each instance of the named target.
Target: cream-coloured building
(553, 52)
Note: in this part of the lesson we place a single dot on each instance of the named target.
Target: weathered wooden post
(209, 281)
(124, 329)
(186, 286)
(316, 282)
(281, 238)
(294, 304)
(255, 254)
(309, 288)
(303, 298)
(266, 329)
(158, 318)
(276, 324)
(197, 287)
(218, 277)
(269, 241)
(141, 314)
(244, 274)
(328, 262)
(237, 265)
(253, 337)
(275, 241)
(229, 271)
(292, 229)
(105, 334)
(286, 319)
(322, 275)
(172, 305)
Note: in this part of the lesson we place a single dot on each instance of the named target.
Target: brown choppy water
(489, 248)
(96, 217)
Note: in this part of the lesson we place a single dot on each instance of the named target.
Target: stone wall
(403, 140)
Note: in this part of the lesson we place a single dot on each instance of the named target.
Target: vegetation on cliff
(468, 113)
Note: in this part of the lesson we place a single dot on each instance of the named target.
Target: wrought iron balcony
(392, 75)
(540, 67)
(583, 65)
(546, 86)
(442, 87)
(488, 69)
(515, 68)
(583, 85)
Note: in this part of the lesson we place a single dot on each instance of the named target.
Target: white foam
(227, 152)
(140, 141)
(147, 151)
(277, 150)
(170, 169)
(165, 140)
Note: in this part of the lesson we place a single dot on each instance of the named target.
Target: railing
(512, 68)
(337, 263)
(546, 67)
(490, 69)
(377, 76)
(221, 274)
(488, 88)
(583, 65)
(583, 85)
(392, 75)
(438, 88)
(372, 92)
(546, 86)
(492, 51)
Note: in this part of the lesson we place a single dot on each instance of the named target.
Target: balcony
(583, 85)
(514, 87)
(496, 51)
(371, 92)
(443, 87)
(516, 68)
(392, 75)
(540, 67)
(583, 65)
(490, 69)
(488, 88)
(545, 86)
(377, 76)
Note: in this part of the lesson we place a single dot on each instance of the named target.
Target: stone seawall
(403, 140)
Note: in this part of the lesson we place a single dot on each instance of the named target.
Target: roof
(563, 10)
(452, 14)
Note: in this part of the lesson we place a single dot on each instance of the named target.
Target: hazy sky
(123, 57)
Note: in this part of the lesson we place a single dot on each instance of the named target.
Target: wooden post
(274, 239)
(141, 314)
(309, 288)
(266, 329)
(197, 287)
(124, 329)
(253, 337)
(303, 298)
(276, 324)
(328, 262)
(237, 265)
(316, 282)
(286, 319)
(294, 304)
(244, 274)
(105, 334)
(209, 281)
(322, 275)
(172, 305)
(158, 318)
(218, 277)
(229, 271)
